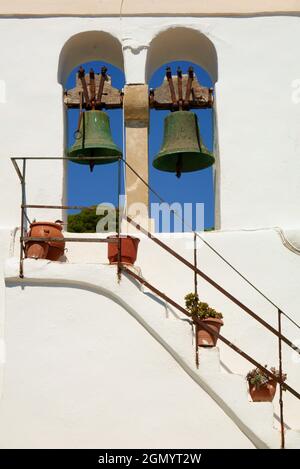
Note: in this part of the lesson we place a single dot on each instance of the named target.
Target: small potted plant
(262, 387)
(203, 312)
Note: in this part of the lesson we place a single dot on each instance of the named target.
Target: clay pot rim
(262, 386)
(47, 223)
(123, 237)
(220, 321)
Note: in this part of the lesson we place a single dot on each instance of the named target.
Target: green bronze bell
(182, 149)
(93, 139)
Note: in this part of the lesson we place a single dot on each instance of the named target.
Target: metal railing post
(282, 445)
(119, 227)
(196, 296)
(21, 270)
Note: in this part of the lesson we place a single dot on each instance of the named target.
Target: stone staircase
(174, 332)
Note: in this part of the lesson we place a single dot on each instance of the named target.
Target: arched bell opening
(91, 183)
(191, 193)
(184, 47)
(96, 182)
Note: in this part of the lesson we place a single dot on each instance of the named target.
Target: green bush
(86, 221)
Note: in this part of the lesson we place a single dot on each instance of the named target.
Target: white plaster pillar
(136, 115)
(135, 58)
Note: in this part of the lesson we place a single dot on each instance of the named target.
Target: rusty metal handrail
(69, 240)
(24, 159)
(58, 207)
(21, 176)
(21, 172)
(212, 331)
(214, 284)
(281, 337)
(213, 249)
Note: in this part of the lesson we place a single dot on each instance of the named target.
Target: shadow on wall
(86, 47)
(182, 44)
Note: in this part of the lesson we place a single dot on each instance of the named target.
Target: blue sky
(86, 188)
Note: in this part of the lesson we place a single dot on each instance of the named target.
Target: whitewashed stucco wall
(257, 120)
(257, 181)
(260, 256)
(83, 371)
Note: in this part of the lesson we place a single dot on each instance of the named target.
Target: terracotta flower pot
(129, 248)
(34, 250)
(51, 250)
(205, 338)
(264, 393)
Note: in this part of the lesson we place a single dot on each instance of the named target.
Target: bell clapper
(92, 164)
(179, 166)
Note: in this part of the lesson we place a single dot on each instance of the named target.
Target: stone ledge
(143, 7)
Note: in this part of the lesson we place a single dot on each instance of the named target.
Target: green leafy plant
(259, 378)
(200, 309)
(86, 220)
